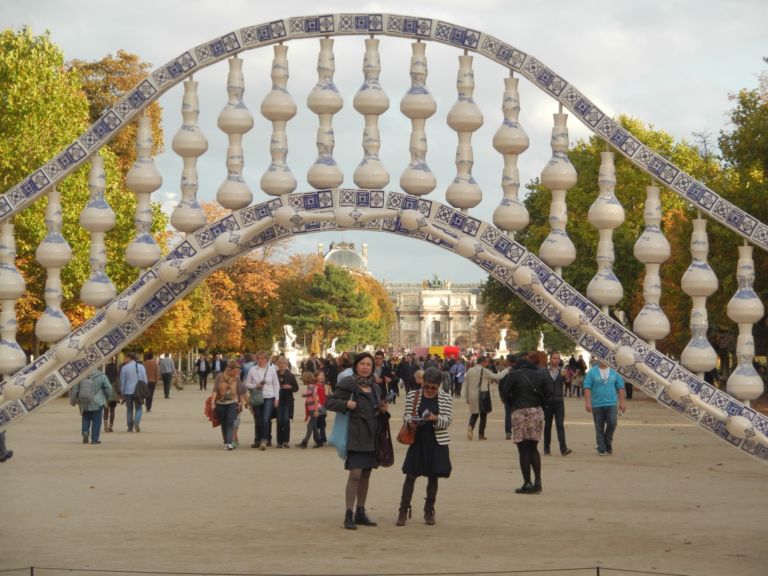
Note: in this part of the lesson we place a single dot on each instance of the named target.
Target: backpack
(87, 392)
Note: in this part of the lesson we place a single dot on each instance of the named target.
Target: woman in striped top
(428, 410)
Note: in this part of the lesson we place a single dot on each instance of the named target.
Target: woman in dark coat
(359, 397)
(288, 386)
(524, 390)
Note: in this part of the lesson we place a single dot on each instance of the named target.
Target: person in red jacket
(320, 438)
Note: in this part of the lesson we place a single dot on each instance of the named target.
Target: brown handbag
(407, 434)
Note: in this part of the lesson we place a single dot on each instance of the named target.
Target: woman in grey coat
(360, 397)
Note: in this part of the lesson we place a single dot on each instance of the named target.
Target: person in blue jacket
(603, 387)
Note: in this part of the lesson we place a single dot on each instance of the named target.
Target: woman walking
(429, 411)
(288, 386)
(524, 392)
(359, 397)
(228, 397)
(111, 406)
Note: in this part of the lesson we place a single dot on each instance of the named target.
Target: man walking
(218, 365)
(602, 387)
(478, 394)
(167, 370)
(130, 374)
(555, 407)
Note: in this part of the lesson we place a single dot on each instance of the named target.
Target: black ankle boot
(349, 521)
(362, 518)
(429, 516)
(525, 489)
(403, 513)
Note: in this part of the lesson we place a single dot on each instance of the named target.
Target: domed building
(344, 255)
(434, 312)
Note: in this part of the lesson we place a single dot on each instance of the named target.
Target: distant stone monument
(332, 350)
(289, 346)
(502, 349)
(290, 338)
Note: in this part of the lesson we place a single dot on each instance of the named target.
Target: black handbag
(484, 403)
(385, 451)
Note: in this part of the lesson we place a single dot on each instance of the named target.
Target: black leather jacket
(524, 386)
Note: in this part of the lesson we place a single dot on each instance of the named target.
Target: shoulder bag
(407, 433)
(256, 395)
(385, 452)
(142, 388)
(485, 404)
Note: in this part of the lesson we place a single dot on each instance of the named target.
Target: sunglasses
(428, 387)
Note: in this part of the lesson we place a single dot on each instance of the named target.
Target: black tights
(408, 485)
(357, 487)
(530, 458)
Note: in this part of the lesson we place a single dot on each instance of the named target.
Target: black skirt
(425, 457)
(362, 460)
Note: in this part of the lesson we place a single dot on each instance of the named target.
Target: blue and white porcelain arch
(217, 244)
(415, 28)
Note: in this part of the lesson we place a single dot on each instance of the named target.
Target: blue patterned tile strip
(416, 28)
(454, 223)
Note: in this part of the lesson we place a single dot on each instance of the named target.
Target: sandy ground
(171, 499)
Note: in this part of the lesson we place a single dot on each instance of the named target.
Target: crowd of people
(531, 388)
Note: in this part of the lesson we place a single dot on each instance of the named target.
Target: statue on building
(435, 283)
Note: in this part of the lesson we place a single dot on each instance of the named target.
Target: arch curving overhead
(416, 28)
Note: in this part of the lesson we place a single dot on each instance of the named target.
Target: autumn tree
(44, 110)
(376, 327)
(107, 80)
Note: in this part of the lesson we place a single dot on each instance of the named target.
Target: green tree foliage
(630, 191)
(333, 307)
(45, 109)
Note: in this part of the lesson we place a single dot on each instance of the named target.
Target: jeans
(226, 413)
(507, 419)
(167, 377)
(202, 378)
(606, 418)
(283, 423)
(257, 424)
(555, 410)
(92, 424)
(267, 410)
(133, 411)
(151, 396)
(319, 434)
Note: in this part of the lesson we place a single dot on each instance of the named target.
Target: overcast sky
(670, 63)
